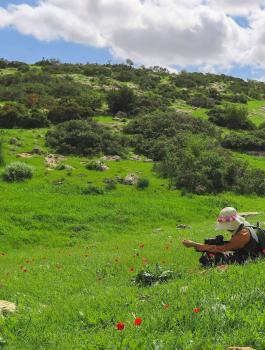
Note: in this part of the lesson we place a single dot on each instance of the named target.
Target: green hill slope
(73, 239)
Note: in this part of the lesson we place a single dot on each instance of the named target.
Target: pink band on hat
(227, 218)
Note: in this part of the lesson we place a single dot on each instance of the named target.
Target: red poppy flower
(166, 306)
(138, 321)
(120, 326)
(144, 261)
(263, 251)
(196, 310)
(132, 269)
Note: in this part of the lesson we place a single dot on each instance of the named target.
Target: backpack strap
(253, 231)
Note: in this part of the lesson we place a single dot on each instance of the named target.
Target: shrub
(121, 100)
(68, 110)
(154, 134)
(11, 113)
(18, 171)
(232, 117)
(96, 165)
(244, 142)
(142, 183)
(36, 119)
(236, 98)
(200, 165)
(2, 159)
(16, 115)
(86, 138)
(110, 184)
(201, 101)
(94, 190)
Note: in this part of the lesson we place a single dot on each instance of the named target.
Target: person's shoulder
(244, 231)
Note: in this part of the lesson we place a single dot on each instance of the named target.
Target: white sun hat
(229, 219)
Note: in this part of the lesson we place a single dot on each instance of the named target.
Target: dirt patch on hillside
(52, 160)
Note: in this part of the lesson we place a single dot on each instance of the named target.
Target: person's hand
(187, 243)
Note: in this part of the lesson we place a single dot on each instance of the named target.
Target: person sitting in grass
(246, 241)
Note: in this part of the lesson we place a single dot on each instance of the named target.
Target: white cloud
(151, 32)
(236, 7)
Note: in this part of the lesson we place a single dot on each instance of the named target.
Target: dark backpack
(259, 236)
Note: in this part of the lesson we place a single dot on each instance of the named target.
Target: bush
(110, 184)
(121, 100)
(142, 183)
(93, 190)
(14, 115)
(86, 138)
(11, 113)
(18, 171)
(236, 98)
(201, 102)
(154, 134)
(96, 165)
(36, 119)
(232, 117)
(68, 110)
(2, 159)
(244, 142)
(199, 165)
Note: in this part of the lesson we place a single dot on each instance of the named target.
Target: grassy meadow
(68, 260)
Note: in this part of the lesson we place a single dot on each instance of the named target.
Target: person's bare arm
(237, 242)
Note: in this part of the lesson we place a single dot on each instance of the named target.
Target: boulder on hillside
(7, 307)
(131, 179)
(136, 157)
(13, 141)
(121, 115)
(97, 165)
(37, 150)
(24, 155)
(183, 227)
(111, 158)
(52, 160)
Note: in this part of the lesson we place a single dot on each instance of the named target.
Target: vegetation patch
(18, 171)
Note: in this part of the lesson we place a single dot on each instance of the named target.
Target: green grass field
(257, 114)
(68, 260)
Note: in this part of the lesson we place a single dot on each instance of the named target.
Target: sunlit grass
(68, 261)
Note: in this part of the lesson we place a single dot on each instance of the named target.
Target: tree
(121, 100)
(68, 110)
(129, 62)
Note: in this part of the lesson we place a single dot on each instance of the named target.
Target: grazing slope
(69, 255)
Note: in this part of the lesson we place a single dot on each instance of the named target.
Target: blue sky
(30, 45)
(15, 46)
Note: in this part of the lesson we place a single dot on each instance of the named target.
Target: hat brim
(231, 225)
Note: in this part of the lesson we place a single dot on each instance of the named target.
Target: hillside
(73, 239)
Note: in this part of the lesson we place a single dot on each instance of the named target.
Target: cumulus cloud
(236, 7)
(151, 32)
